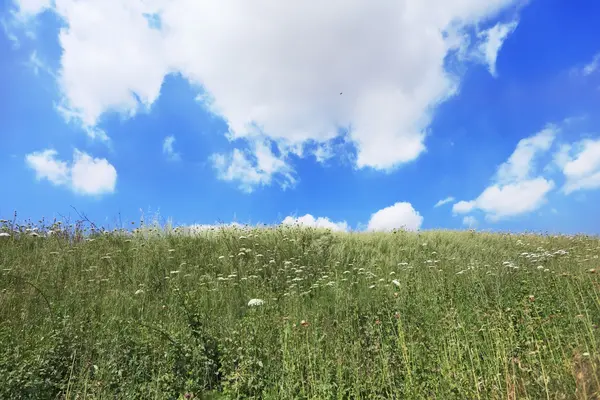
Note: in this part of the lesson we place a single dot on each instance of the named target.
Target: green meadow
(297, 313)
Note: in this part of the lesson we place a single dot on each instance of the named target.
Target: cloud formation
(401, 215)
(580, 163)
(515, 189)
(320, 222)
(85, 175)
(593, 65)
(447, 200)
(492, 41)
(169, 150)
(470, 221)
(292, 74)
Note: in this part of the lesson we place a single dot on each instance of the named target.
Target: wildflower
(139, 291)
(255, 302)
(592, 271)
(174, 272)
(540, 267)
(396, 282)
(304, 323)
(531, 297)
(586, 354)
(371, 287)
(171, 250)
(221, 257)
(4, 234)
(396, 294)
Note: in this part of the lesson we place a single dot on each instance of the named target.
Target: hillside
(438, 314)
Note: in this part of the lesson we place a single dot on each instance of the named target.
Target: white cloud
(592, 66)
(463, 207)
(470, 221)
(447, 200)
(501, 201)
(520, 165)
(46, 166)
(580, 164)
(399, 215)
(515, 189)
(169, 150)
(84, 175)
(275, 72)
(256, 169)
(320, 222)
(32, 7)
(492, 41)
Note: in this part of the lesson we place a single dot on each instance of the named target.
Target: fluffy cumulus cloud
(169, 149)
(320, 222)
(580, 163)
(84, 175)
(515, 189)
(291, 74)
(401, 215)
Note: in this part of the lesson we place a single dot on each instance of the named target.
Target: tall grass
(164, 314)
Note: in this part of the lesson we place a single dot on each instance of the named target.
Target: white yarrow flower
(255, 302)
(396, 282)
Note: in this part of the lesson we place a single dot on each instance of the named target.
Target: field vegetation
(296, 313)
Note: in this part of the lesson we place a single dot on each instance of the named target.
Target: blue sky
(355, 115)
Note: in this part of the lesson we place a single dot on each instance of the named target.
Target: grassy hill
(165, 315)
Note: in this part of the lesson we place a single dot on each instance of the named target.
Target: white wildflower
(396, 282)
(255, 302)
(174, 272)
(4, 234)
(139, 291)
